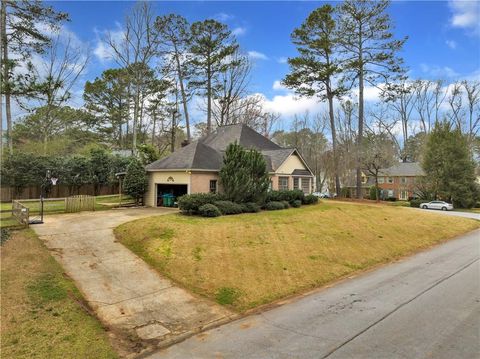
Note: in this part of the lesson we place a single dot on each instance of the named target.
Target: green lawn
(42, 313)
(252, 259)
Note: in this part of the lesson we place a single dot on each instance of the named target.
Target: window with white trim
(403, 195)
(381, 180)
(403, 180)
(305, 184)
(390, 179)
(283, 183)
(296, 183)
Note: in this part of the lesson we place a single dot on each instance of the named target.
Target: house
(399, 181)
(195, 167)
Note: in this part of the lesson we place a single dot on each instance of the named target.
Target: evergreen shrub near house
(191, 203)
(244, 176)
(250, 207)
(297, 203)
(228, 207)
(286, 205)
(209, 210)
(274, 206)
(285, 195)
(416, 202)
(136, 181)
(310, 199)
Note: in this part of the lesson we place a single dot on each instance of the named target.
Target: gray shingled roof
(207, 152)
(403, 169)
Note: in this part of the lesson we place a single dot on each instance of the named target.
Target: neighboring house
(400, 180)
(195, 167)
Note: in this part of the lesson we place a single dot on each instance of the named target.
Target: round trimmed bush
(416, 202)
(297, 203)
(250, 207)
(274, 206)
(285, 204)
(310, 199)
(209, 210)
(228, 207)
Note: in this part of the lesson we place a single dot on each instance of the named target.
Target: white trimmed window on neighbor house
(403, 195)
(381, 180)
(283, 183)
(403, 180)
(389, 179)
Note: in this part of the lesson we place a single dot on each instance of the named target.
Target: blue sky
(443, 35)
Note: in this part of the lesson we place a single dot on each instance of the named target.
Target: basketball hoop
(54, 180)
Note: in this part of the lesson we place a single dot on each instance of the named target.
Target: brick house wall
(402, 187)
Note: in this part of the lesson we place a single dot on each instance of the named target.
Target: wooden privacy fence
(21, 213)
(79, 203)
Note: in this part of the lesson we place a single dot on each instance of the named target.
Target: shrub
(228, 207)
(191, 203)
(250, 207)
(244, 176)
(4, 235)
(285, 195)
(373, 192)
(286, 205)
(136, 182)
(345, 193)
(415, 203)
(310, 199)
(297, 203)
(209, 210)
(274, 205)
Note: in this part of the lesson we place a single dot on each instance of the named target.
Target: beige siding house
(194, 168)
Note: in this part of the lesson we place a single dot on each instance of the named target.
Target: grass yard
(41, 314)
(252, 259)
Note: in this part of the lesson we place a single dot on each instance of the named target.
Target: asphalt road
(425, 306)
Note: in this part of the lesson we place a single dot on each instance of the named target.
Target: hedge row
(214, 205)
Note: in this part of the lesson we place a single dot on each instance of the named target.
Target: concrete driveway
(129, 297)
(425, 306)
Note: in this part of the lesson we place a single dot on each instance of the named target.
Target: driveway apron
(125, 293)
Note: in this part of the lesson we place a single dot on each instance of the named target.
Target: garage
(176, 190)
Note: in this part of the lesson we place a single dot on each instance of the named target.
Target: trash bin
(168, 200)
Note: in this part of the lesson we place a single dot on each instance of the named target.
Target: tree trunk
(209, 100)
(334, 141)
(6, 79)
(360, 120)
(184, 96)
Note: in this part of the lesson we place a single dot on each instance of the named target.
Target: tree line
(162, 65)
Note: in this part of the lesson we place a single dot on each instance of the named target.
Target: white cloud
(222, 16)
(451, 44)
(239, 31)
(288, 105)
(282, 60)
(439, 71)
(277, 85)
(102, 50)
(257, 55)
(465, 15)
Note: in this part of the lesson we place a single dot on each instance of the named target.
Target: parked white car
(444, 206)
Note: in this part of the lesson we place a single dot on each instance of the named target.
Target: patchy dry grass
(252, 259)
(41, 314)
